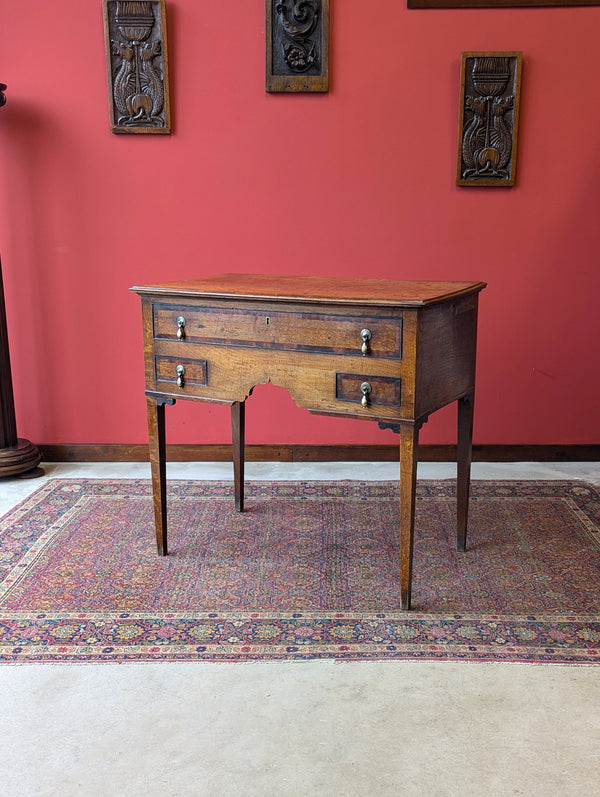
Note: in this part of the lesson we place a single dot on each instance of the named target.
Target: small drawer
(381, 391)
(180, 372)
(311, 332)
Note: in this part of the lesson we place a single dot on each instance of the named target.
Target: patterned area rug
(309, 571)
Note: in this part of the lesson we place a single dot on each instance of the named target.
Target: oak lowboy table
(380, 350)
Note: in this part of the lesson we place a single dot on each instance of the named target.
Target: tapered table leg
(409, 451)
(156, 436)
(464, 456)
(238, 426)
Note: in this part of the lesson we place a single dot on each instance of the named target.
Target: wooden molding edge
(497, 3)
(317, 453)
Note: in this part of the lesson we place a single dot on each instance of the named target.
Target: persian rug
(309, 571)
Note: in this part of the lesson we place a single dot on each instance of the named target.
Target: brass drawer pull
(366, 390)
(366, 336)
(180, 328)
(180, 370)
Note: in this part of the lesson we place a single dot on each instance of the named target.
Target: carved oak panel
(297, 45)
(135, 33)
(489, 118)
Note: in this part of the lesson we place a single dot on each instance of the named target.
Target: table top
(310, 289)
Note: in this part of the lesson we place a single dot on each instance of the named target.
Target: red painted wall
(356, 182)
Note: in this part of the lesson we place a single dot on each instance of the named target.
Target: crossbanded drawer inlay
(276, 329)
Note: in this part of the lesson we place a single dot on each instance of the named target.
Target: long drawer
(310, 332)
(229, 373)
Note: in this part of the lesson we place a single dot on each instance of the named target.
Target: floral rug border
(95, 637)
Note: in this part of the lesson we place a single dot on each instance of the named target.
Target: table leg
(464, 456)
(238, 426)
(409, 450)
(156, 436)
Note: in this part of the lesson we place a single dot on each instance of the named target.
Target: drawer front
(225, 374)
(310, 332)
(368, 391)
(178, 373)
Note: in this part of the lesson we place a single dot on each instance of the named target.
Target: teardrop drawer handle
(366, 336)
(366, 390)
(181, 328)
(180, 371)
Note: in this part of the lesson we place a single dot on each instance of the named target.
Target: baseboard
(316, 453)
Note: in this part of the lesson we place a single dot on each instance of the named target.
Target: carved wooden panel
(135, 35)
(490, 89)
(297, 44)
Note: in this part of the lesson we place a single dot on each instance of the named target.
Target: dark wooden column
(18, 457)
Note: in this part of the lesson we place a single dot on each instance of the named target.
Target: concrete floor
(299, 728)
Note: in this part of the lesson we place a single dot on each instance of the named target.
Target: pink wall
(356, 182)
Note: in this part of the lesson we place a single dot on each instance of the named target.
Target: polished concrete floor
(299, 728)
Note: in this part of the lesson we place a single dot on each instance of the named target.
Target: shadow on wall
(42, 314)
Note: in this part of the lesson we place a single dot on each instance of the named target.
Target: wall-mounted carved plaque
(297, 33)
(490, 89)
(135, 35)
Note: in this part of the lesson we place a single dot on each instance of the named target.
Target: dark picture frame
(498, 3)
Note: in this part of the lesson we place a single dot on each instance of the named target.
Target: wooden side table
(382, 350)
